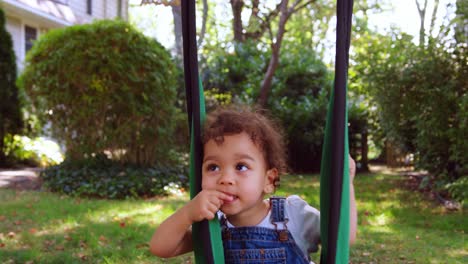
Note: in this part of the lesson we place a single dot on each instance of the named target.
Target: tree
(421, 97)
(177, 16)
(10, 115)
(114, 95)
(260, 23)
(422, 19)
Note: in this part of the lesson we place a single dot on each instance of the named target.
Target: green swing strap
(334, 179)
(334, 175)
(207, 244)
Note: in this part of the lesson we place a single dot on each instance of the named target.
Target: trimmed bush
(104, 178)
(104, 88)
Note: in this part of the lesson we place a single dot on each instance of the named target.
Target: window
(89, 7)
(30, 35)
(63, 2)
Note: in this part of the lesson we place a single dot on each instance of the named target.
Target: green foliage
(459, 189)
(104, 87)
(105, 178)
(21, 150)
(239, 72)
(421, 96)
(299, 99)
(10, 115)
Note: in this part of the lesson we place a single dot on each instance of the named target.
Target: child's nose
(226, 179)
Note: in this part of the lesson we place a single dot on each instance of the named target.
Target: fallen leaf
(417, 237)
(122, 224)
(11, 235)
(2, 218)
(67, 237)
(49, 243)
(142, 245)
(365, 254)
(59, 247)
(29, 262)
(103, 239)
(82, 256)
(18, 222)
(83, 244)
(33, 231)
(2, 245)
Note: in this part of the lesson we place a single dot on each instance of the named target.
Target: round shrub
(104, 88)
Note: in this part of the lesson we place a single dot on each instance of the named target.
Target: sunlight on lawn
(395, 225)
(381, 229)
(149, 211)
(458, 252)
(380, 220)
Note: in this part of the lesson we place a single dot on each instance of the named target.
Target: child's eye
(241, 167)
(212, 167)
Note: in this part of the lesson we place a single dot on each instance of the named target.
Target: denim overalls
(252, 245)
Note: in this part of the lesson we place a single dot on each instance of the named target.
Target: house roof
(53, 12)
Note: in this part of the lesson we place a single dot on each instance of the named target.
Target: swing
(334, 175)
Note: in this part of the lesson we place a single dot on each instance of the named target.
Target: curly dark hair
(265, 132)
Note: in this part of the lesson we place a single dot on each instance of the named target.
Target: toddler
(244, 154)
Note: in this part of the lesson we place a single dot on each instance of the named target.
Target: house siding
(13, 25)
(20, 13)
(101, 9)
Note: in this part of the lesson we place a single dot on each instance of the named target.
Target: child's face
(238, 168)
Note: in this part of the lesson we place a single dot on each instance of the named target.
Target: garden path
(20, 179)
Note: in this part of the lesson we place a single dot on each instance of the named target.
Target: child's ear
(271, 177)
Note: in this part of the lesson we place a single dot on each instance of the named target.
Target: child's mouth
(231, 199)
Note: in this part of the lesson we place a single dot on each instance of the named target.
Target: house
(26, 20)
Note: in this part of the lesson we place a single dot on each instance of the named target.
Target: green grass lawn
(395, 225)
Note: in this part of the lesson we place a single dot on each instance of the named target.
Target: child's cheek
(206, 183)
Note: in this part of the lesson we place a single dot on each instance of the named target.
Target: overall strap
(277, 209)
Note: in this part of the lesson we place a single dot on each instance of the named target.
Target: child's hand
(352, 169)
(206, 204)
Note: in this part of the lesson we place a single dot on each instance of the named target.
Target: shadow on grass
(47, 228)
(395, 225)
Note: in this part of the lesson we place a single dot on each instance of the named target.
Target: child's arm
(174, 236)
(352, 203)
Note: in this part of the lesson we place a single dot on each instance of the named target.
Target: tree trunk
(275, 52)
(2, 144)
(364, 151)
(204, 20)
(237, 6)
(422, 15)
(177, 15)
(433, 18)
